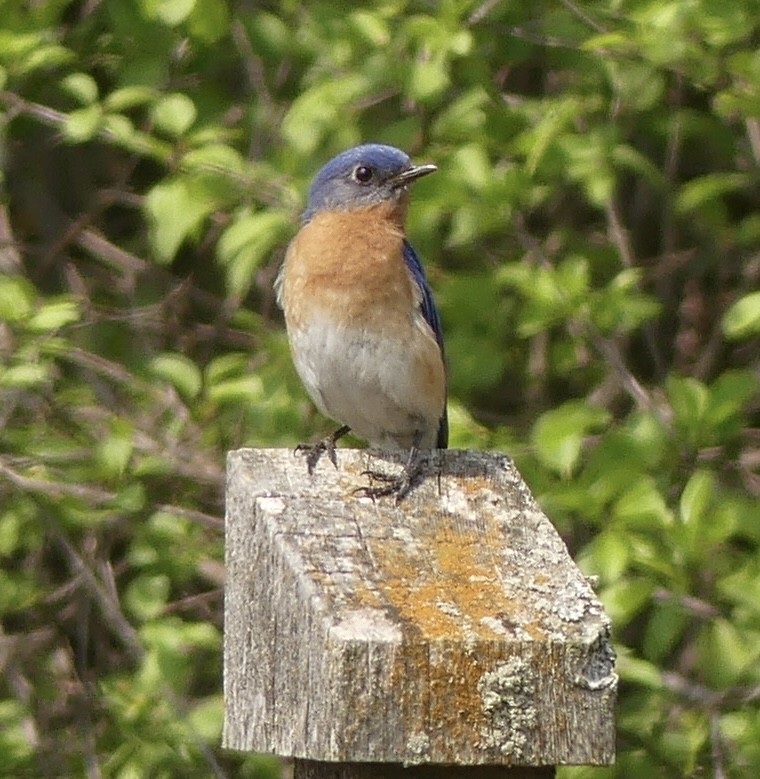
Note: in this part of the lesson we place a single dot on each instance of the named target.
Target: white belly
(384, 388)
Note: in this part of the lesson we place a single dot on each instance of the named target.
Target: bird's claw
(313, 453)
(400, 485)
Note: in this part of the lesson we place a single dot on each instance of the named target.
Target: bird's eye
(362, 174)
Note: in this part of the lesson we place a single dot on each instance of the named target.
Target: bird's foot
(399, 485)
(313, 452)
(327, 445)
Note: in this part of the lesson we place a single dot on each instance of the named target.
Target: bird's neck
(393, 212)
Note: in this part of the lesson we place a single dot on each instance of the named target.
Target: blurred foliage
(593, 237)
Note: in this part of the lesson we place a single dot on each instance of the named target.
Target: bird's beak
(411, 174)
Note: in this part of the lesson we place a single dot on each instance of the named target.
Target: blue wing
(430, 312)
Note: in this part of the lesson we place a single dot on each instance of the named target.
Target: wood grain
(452, 629)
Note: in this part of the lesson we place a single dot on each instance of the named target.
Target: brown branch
(583, 16)
(481, 12)
(753, 134)
(96, 495)
(706, 698)
(107, 604)
(10, 257)
(716, 747)
(267, 190)
(605, 346)
(55, 489)
(608, 349)
(696, 606)
(619, 234)
(216, 523)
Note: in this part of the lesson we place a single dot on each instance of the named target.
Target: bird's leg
(314, 451)
(400, 485)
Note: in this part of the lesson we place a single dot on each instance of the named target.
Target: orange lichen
(453, 589)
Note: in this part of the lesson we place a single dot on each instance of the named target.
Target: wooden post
(452, 634)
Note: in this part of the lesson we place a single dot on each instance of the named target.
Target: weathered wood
(452, 629)
(309, 769)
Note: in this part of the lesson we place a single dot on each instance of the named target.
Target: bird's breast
(359, 340)
(350, 265)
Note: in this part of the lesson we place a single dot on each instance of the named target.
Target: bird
(364, 332)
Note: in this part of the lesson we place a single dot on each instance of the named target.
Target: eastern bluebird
(364, 332)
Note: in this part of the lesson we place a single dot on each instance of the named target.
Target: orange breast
(350, 263)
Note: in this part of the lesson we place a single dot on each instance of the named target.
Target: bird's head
(363, 176)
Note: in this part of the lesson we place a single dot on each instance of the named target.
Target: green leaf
(147, 595)
(16, 298)
(555, 120)
(53, 316)
(15, 45)
(475, 313)
(428, 77)
(470, 167)
(171, 644)
(246, 243)
(705, 521)
(372, 27)
(314, 113)
(741, 587)
(15, 744)
(573, 278)
(270, 34)
(131, 499)
(214, 156)
(170, 12)
(607, 556)
(696, 497)
(47, 56)
(727, 653)
(742, 320)
(23, 376)
(641, 672)
(246, 389)
(175, 209)
(589, 159)
(124, 98)
(82, 86)
(11, 526)
(642, 505)
(179, 371)
(689, 399)
(174, 114)
(625, 599)
(616, 40)
(210, 20)
(708, 188)
(463, 116)
(231, 365)
(665, 628)
(120, 128)
(83, 124)
(206, 718)
(558, 435)
(729, 394)
(116, 447)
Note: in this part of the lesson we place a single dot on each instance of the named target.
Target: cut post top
(452, 628)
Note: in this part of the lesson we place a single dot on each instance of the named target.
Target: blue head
(362, 176)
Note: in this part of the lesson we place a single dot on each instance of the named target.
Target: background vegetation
(593, 238)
